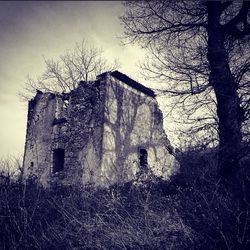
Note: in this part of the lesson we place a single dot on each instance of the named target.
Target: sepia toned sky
(32, 30)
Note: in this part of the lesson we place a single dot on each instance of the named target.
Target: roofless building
(103, 132)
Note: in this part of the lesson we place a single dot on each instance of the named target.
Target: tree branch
(232, 29)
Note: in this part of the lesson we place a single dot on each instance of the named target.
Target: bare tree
(200, 50)
(83, 62)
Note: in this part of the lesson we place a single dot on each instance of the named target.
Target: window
(143, 157)
(58, 160)
(59, 121)
(31, 165)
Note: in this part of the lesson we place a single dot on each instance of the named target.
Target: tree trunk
(229, 111)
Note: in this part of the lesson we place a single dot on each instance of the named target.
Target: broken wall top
(129, 81)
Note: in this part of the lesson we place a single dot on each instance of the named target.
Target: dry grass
(191, 212)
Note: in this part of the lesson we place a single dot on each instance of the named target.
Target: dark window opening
(59, 121)
(31, 165)
(58, 160)
(143, 158)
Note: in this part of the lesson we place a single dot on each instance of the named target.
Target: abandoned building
(103, 132)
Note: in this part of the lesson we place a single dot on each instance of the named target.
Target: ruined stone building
(103, 132)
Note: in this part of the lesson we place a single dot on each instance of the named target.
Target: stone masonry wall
(101, 126)
(37, 156)
(72, 122)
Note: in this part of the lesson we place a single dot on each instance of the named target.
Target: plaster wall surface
(133, 121)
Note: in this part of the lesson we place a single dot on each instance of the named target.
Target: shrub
(192, 211)
(75, 218)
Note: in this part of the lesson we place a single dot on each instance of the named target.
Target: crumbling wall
(72, 122)
(132, 121)
(100, 127)
(37, 157)
(87, 113)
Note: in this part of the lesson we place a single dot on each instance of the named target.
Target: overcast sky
(31, 30)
